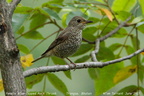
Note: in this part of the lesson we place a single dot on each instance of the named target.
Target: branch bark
(12, 6)
(110, 33)
(58, 68)
(10, 65)
(97, 41)
(115, 30)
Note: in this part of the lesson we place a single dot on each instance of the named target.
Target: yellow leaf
(108, 13)
(1, 85)
(9, 1)
(98, 12)
(142, 53)
(26, 60)
(124, 73)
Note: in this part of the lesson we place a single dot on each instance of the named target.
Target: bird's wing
(61, 38)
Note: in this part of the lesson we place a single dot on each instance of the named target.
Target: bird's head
(78, 22)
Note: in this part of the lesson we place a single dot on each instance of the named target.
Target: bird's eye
(78, 20)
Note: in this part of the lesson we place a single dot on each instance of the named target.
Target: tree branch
(10, 65)
(12, 6)
(93, 53)
(115, 30)
(110, 33)
(57, 68)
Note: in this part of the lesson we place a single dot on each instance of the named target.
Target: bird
(69, 40)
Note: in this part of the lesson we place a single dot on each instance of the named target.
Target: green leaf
(139, 24)
(83, 10)
(21, 30)
(83, 49)
(135, 42)
(141, 73)
(94, 73)
(37, 19)
(70, 5)
(106, 75)
(18, 20)
(52, 13)
(23, 10)
(121, 33)
(123, 5)
(115, 46)
(8, 1)
(130, 50)
(33, 35)
(88, 33)
(58, 84)
(123, 15)
(142, 89)
(55, 2)
(106, 29)
(68, 74)
(23, 48)
(43, 12)
(60, 61)
(102, 1)
(75, 13)
(82, 59)
(64, 20)
(95, 20)
(34, 79)
(105, 54)
(141, 27)
(127, 91)
(141, 2)
(54, 5)
(137, 20)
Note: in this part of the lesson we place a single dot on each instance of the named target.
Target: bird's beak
(87, 21)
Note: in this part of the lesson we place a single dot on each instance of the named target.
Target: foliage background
(30, 15)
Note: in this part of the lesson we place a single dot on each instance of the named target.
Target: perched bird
(68, 41)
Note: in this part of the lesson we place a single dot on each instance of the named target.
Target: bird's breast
(69, 46)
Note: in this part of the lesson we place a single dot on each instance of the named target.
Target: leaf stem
(33, 29)
(138, 63)
(44, 84)
(106, 1)
(43, 40)
(125, 41)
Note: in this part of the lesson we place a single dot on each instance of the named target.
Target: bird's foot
(72, 66)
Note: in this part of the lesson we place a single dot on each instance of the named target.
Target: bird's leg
(71, 62)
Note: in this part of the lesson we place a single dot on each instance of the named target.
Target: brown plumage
(68, 41)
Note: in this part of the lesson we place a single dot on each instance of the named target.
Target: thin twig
(105, 27)
(106, 1)
(125, 41)
(33, 29)
(12, 6)
(110, 33)
(57, 68)
(90, 42)
(54, 21)
(115, 30)
(93, 53)
(138, 62)
(43, 40)
(98, 29)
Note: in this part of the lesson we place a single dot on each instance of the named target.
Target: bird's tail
(37, 59)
